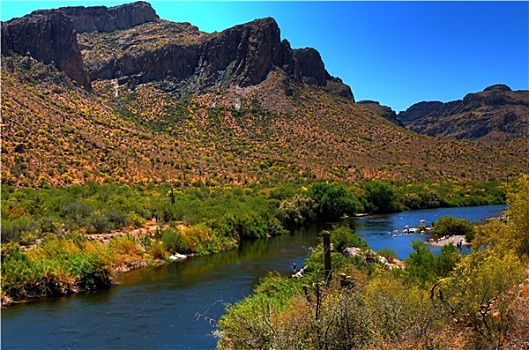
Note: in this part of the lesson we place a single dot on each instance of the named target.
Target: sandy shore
(446, 241)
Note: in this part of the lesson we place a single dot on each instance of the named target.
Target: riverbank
(447, 240)
(79, 263)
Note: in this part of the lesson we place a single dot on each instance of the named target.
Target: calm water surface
(176, 306)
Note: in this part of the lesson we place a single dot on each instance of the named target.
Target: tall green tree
(380, 198)
(333, 201)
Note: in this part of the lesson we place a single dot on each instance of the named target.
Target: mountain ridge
(213, 125)
(496, 113)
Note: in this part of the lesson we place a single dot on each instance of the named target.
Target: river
(176, 306)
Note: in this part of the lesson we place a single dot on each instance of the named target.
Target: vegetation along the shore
(63, 240)
(445, 301)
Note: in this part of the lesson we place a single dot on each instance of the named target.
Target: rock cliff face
(185, 58)
(50, 38)
(496, 112)
(103, 19)
(311, 66)
(130, 43)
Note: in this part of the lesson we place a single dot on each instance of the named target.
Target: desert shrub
(17, 271)
(157, 250)
(342, 237)
(117, 218)
(99, 223)
(297, 211)
(76, 213)
(48, 224)
(399, 313)
(512, 233)
(387, 253)
(125, 246)
(242, 330)
(56, 267)
(201, 240)
(422, 200)
(135, 219)
(17, 229)
(89, 270)
(477, 294)
(166, 212)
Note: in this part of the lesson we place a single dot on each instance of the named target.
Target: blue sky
(397, 53)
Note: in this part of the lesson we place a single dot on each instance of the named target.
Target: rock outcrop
(383, 111)
(247, 52)
(103, 19)
(50, 38)
(496, 112)
(311, 66)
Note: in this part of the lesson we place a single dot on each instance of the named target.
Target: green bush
(15, 230)
(333, 201)
(343, 237)
(56, 267)
(297, 211)
(422, 200)
(380, 198)
(76, 213)
(423, 267)
(387, 253)
(98, 223)
(451, 226)
(157, 250)
(117, 218)
(174, 241)
(49, 224)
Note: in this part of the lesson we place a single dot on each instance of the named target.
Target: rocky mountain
(496, 113)
(118, 94)
(112, 48)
